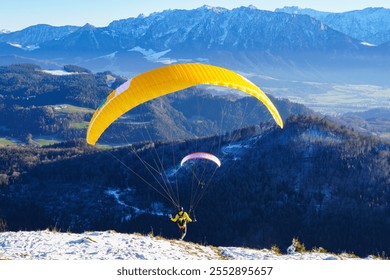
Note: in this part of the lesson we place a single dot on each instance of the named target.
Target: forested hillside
(325, 184)
(58, 105)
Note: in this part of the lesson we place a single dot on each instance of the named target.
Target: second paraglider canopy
(201, 155)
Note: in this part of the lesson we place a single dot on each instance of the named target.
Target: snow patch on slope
(368, 44)
(150, 54)
(60, 72)
(159, 57)
(155, 208)
(26, 48)
(234, 151)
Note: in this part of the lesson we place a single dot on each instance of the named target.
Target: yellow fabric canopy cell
(165, 80)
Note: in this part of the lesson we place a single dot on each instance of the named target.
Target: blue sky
(18, 14)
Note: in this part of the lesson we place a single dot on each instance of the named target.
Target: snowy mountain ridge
(205, 28)
(274, 44)
(36, 34)
(370, 24)
(110, 245)
(175, 26)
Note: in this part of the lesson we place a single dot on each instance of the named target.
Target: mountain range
(275, 44)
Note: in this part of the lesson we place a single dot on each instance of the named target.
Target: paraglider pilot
(181, 218)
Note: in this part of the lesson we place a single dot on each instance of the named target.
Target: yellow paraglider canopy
(165, 80)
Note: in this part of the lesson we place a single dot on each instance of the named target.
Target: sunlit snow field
(110, 245)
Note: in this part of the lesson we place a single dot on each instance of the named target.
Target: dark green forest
(29, 85)
(314, 180)
(29, 100)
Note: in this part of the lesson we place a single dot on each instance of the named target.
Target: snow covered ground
(110, 245)
(77, 256)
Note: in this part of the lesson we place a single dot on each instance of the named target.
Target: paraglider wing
(165, 80)
(201, 155)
